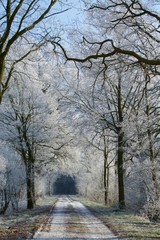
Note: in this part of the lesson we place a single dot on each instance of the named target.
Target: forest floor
(125, 224)
(23, 224)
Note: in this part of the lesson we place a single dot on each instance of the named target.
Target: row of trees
(106, 97)
(118, 85)
(29, 120)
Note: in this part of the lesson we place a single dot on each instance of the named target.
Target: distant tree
(148, 134)
(152, 113)
(101, 141)
(12, 179)
(65, 184)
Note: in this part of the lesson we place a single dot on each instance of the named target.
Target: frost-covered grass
(125, 223)
(23, 224)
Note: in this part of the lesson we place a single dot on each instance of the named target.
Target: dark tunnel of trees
(65, 184)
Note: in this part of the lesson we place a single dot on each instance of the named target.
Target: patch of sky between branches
(73, 14)
(153, 5)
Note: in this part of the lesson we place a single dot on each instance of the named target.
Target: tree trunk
(105, 173)
(153, 168)
(120, 170)
(120, 152)
(33, 183)
(106, 185)
(105, 182)
(30, 185)
(6, 201)
(151, 147)
(2, 66)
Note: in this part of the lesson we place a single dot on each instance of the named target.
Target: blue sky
(76, 5)
(72, 14)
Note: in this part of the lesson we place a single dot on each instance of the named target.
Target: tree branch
(115, 51)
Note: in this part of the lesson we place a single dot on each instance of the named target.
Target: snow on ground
(72, 220)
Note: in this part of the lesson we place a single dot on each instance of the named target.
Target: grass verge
(125, 224)
(22, 225)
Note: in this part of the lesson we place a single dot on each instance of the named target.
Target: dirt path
(72, 220)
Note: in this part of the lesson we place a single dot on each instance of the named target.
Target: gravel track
(72, 220)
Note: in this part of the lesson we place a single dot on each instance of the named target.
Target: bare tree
(136, 25)
(129, 31)
(107, 97)
(29, 123)
(18, 19)
(103, 142)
